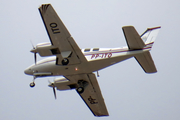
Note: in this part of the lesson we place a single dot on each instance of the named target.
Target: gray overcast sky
(129, 93)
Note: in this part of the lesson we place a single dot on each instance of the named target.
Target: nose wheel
(32, 84)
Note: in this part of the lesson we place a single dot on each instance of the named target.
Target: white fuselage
(97, 58)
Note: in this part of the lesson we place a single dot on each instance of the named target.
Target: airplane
(78, 66)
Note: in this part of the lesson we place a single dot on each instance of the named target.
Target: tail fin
(145, 41)
(150, 35)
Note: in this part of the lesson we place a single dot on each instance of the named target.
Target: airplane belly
(57, 70)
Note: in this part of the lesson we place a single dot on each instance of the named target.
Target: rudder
(150, 35)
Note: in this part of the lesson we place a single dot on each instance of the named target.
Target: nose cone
(28, 71)
(50, 85)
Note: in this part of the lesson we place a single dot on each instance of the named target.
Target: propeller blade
(32, 44)
(35, 57)
(49, 81)
(54, 91)
(34, 51)
(53, 86)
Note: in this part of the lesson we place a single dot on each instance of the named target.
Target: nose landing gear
(32, 84)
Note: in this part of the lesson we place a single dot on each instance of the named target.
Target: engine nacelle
(46, 49)
(64, 84)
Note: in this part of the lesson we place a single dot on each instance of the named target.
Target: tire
(65, 61)
(32, 84)
(80, 90)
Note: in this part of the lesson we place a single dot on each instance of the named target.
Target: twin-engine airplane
(77, 65)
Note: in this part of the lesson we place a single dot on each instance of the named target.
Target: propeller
(34, 51)
(54, 92)
(35, 57)
(53, 86)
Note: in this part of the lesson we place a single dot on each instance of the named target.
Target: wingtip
(128, 26)
(44, 6)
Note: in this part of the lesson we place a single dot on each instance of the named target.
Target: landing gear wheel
(32, 84)
(80, 90)
(65, 61)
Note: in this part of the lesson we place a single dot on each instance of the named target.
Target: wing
(92, 94)
(59, 36)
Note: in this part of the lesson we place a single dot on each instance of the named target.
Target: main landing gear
(80, 90)
(32, 84)
(65, 61)
(81, 86)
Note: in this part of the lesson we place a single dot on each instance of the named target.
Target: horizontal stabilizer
(146, 62)
(133, 39)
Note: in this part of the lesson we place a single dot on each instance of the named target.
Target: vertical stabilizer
(150, 35)
(143, 42)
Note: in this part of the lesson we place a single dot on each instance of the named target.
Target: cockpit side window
(96, 49)
(87, 50)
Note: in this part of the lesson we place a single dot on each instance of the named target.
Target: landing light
(76, 68)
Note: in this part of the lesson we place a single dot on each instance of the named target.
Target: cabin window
(87, 50)
(96, 49)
